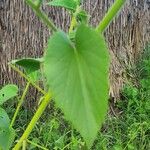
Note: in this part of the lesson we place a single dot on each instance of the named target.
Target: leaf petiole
(41, 15)
(20, 103)
(24, 76)
(112, 12)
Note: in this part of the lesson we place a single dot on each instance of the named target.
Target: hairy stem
(41, 15)
(20, 104)
(24, 76)
(34, 120)
(112, 12)
(24, 145)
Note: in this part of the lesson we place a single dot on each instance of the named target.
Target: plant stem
(20, 103)
(35, 144)
(72, 24)
(41, 15)
(24, 76)
(73, 20)
(34, 120)
(24, 145)
(112, 12)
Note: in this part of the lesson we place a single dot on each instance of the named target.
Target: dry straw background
(23, 35)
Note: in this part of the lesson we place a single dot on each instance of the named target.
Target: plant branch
(24, 145)
(24, 76)
(35, 144)
(20, 104)
(112, 12)
(41, 15)
(34, 120)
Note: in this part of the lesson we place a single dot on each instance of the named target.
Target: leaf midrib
(83, 84)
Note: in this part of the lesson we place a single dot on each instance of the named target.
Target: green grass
(128, 130)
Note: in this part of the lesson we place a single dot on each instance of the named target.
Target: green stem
(24, 76)
(41, 15)
(73, 24)
(20, 103)
(34, 120)
(35, 144)
(24, 145)
(112, 12)
(73, 20)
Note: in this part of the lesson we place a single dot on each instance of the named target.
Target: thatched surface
(23, 35)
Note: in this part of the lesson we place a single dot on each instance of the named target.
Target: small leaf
(7, 92)
(68, 4)
(77, 74)
(7, 136)
(30, 64)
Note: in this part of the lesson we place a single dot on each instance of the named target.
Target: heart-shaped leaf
(77, 74)
(8, 92)
(68, 4)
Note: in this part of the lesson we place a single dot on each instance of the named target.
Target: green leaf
(68, 4)
(7, 134)
(77, 74)
(30, 64)
(7, 92)
(4, 119)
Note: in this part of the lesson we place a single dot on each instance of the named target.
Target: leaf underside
(77, 74)
(30, 64)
